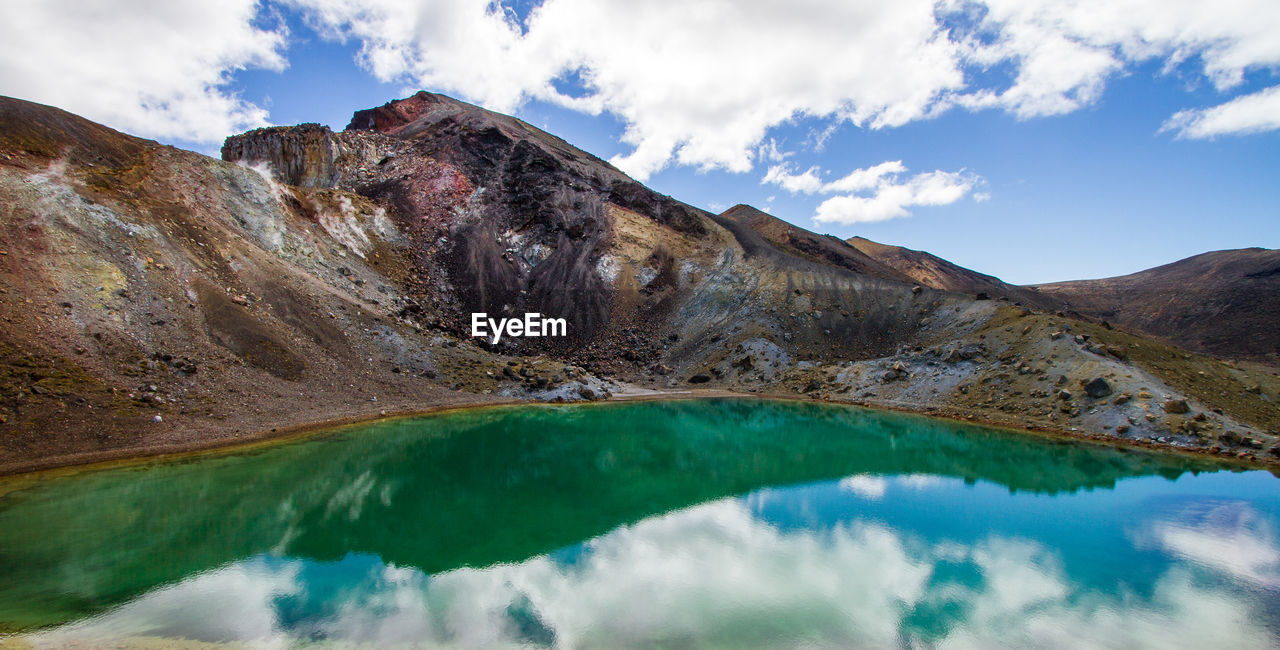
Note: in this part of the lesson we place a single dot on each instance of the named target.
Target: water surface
(693, 523)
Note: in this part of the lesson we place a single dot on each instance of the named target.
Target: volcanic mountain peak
(419, 112)
(392, 117)
(452, 123)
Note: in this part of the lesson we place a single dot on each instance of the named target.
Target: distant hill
(1226, 303)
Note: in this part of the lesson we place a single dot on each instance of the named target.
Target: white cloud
(470, 46)
(232, 602)
(702, 84)
(1227, 536)
(693, 84)
(769, 152)
(875, 193)
(893, 198)
(1251, 113)
(807, 182)
(697, 85)
(863, 179)
(1063, 52)
(874, 487)
(157, 68)
(810, 180)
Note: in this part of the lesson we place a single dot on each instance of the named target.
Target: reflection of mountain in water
(480, 487)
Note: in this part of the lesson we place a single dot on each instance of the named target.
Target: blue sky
(1026, 140)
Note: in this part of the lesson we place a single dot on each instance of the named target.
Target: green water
(724, 523)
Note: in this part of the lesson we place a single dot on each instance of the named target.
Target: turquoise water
(730, 523)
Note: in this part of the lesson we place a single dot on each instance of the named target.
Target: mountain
(507, 219)
(933, 271)
(159, 300)
(1225, 303)
(799, 243)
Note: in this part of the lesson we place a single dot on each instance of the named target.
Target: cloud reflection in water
(718, 574)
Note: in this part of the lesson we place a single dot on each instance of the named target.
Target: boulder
(1097, 388)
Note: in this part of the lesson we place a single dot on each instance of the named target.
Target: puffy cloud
(1251, 113)
(698, 85)
(875, 193)
(702, 84)
(472, 47)
(863, 179)
(232, 602)
(893, 198)
(157, 68)
(867, 486)
(1062, 53)
(807, 182)
(874, 487)
(810, 181)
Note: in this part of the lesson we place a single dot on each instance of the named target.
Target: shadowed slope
(797, 242)
(933, 271)
(1225, 303)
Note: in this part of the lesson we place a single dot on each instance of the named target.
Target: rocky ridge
(1223, 303)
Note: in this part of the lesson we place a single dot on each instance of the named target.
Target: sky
(1035, 140)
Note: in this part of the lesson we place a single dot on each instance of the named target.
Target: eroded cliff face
(305, 155)
(321, 275)
(510, 219)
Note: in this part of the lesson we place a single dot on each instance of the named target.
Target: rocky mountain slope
(933, 271)
(802, 244)
(157, 299)
(1223, 303)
